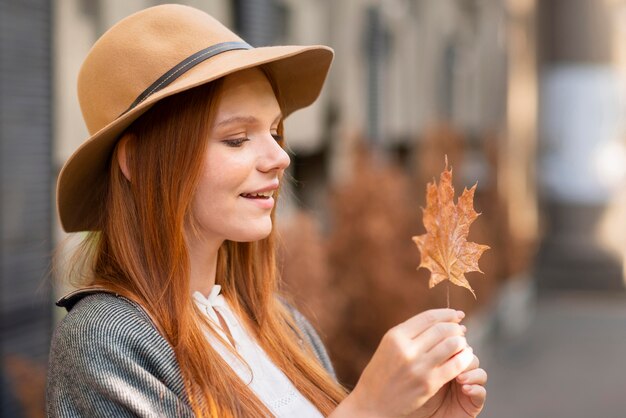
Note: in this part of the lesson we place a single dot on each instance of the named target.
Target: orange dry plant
(444, 248)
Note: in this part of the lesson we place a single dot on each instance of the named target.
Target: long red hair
(139, 251)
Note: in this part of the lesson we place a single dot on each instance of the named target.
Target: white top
(269, 383)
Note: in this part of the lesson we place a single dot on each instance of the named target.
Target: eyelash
(235, 143)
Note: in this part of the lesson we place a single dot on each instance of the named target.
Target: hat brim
(298, 71)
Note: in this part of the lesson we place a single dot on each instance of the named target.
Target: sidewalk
(569, 363)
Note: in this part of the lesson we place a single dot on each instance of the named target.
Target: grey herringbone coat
(107, 359)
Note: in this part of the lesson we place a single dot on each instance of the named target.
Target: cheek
(221, 181)
(231, 171)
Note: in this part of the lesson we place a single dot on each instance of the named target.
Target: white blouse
(269, 383)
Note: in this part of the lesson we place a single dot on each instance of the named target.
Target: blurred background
(525, 97)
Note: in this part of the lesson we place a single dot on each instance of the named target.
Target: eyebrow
(243, 119)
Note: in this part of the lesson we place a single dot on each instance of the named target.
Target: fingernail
(464, 329)
(460, 314)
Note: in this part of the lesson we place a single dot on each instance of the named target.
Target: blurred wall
(25, 204)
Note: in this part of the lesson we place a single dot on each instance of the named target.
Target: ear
(122, 158)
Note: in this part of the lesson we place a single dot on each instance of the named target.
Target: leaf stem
(448, 293)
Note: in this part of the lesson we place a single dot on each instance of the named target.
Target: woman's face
(244, 161)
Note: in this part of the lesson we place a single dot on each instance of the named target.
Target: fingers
(473, 377)
(456, 364)
(417, 324)
(474, 364)
(438, 333)
(472, 382)
(476, 393)
(446, 349)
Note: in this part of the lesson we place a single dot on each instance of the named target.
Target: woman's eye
(235, 142)
(277, 137)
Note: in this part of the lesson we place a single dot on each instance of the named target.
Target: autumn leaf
(444, 248)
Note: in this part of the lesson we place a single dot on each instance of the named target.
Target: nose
(274, 157)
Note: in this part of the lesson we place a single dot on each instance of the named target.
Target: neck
(203, 264)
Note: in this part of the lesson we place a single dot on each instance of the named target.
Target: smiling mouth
(263, 195)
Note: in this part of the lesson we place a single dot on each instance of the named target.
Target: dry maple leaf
(444, 248)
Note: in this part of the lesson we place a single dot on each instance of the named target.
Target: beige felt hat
(153, 54)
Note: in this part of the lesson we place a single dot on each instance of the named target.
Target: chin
(255, 234)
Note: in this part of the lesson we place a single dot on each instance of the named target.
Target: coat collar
(72, 298)
(69, 300)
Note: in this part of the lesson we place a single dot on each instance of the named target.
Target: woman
(179, 314)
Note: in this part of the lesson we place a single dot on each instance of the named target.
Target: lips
(264, 193)
(259, 195)
(261, 198)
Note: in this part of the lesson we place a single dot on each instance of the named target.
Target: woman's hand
(413, 362)
(464, 397)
